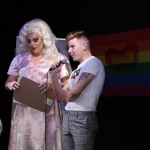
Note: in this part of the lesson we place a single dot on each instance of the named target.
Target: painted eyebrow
(34, 39)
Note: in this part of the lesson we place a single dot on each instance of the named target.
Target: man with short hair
(81, 94)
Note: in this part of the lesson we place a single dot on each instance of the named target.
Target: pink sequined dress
(27, 130)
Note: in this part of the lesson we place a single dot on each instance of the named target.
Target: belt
(75, 113)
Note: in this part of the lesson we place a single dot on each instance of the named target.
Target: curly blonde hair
(41, 28)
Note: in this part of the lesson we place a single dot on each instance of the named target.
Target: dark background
(123, 121)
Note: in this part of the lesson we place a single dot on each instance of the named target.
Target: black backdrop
(123, 121)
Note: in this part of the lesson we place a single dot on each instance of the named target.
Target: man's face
(76, 49)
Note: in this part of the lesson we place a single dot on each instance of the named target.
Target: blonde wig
(41, 28)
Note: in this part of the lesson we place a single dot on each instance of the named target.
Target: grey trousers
(78, 130)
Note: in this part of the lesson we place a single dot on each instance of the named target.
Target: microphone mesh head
(64, 61)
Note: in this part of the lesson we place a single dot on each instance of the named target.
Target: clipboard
(29, 94)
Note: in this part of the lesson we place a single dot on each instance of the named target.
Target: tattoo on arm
(83, 76)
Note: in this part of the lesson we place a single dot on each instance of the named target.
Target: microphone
(64, 61)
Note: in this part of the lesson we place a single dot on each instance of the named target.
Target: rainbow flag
(126, 57)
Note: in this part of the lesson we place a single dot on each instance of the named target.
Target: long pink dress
(28, 124)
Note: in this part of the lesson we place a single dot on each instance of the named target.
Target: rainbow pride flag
(126, 57)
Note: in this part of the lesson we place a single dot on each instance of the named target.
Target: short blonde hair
(79, 35)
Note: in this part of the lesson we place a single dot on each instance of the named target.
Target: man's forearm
(57, 88)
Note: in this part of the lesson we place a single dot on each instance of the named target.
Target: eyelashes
(34, 40)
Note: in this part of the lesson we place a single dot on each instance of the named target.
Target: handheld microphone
(64, 61)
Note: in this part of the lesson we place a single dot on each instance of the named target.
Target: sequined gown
(27, 131)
